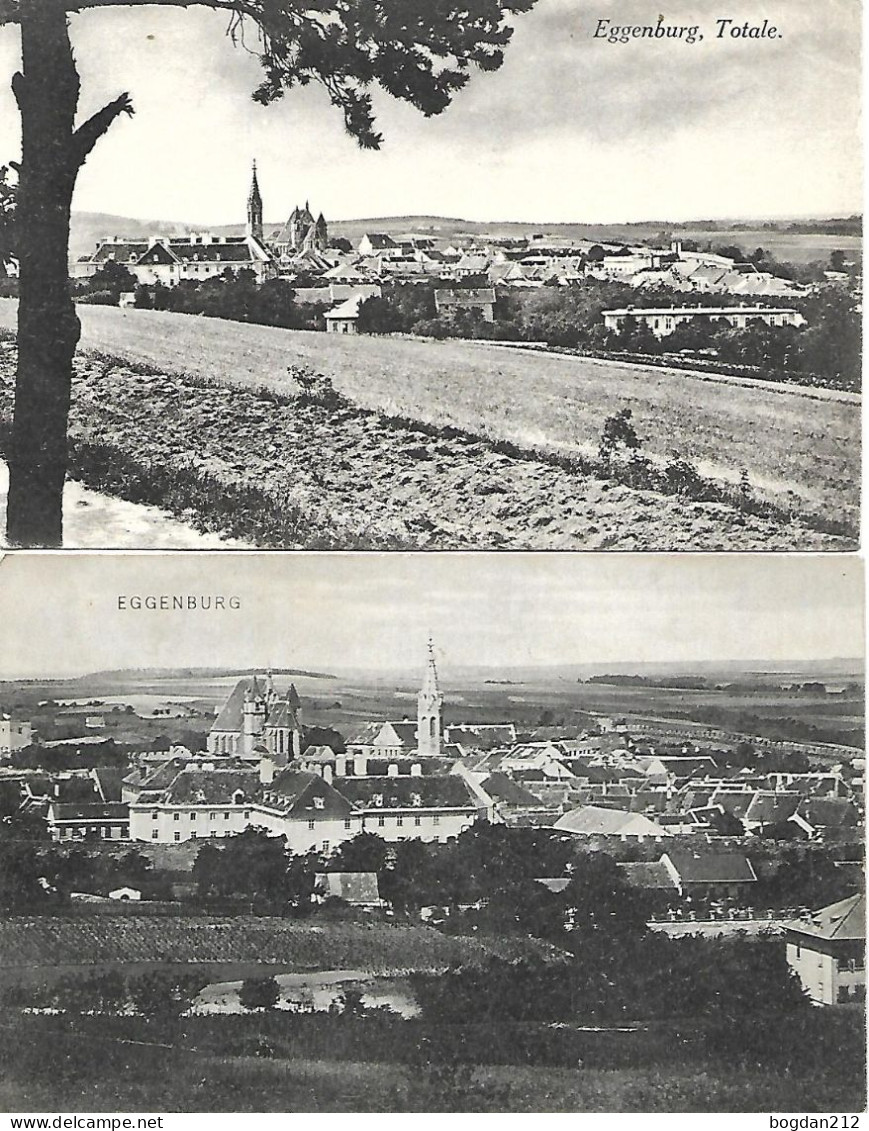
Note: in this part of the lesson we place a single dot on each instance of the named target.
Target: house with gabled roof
(709, 874)
(827, 951)
(307, 810)
(596, 821)
(88, 820)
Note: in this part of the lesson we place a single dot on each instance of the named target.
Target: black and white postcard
(432, 833)
(397, 275)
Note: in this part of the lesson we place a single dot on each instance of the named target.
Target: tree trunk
(48, 328)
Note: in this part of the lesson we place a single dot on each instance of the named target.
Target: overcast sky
(571, 127)
(336, 612)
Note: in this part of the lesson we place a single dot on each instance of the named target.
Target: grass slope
(798, 448)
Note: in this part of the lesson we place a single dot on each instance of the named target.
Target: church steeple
(428, 713)
(254, 208)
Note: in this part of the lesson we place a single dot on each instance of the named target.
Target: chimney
(266, 771)
(340, 767)
(360, 765)
(327, 772)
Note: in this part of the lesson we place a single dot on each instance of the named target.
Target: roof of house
(840, 921)
(352, 887)
(108, 780)
(379, 240)
(502, 788)
(300, 794)
(90, 811)
(449, 791)
(405, 731)
(349, 308)
(651, 875)
(829, 812)
(711, 867)
(768, 807)
(197, 786)
(590, 820)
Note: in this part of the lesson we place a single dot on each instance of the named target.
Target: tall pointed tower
(254, 208)
(253, 718)
(428, 710)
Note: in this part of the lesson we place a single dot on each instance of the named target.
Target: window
(192, 816)
(178, 836)
(247, 814)
(154, 815)
(226, 816)
(348, 824)
(154, 834)
(212, 816)
(311, 824)
(325, 846)
(417, 821)
(435, 820)
(399, 821)
(176, 816)
(381, 821)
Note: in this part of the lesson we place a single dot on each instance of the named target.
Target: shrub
(259, 993)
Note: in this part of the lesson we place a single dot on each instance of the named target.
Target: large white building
(256, 776)
(827, 952)
(664, 320)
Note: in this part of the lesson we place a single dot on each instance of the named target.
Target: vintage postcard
(432, 833)
(515, 274)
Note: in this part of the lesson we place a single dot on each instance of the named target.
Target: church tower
(253, 719)
(254, 209)
(428, 711)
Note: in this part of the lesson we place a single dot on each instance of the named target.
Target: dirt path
(93, 521)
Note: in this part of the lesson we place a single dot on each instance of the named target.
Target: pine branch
(90, 132)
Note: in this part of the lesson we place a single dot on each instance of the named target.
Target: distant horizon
(699, 221)
(337, 672)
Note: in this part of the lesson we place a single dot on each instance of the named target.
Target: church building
(255, 720)
(424, 738)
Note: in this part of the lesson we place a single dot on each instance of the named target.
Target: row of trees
(233, 295)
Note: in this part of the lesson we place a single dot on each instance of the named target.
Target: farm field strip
(48, 941)
(792, 446)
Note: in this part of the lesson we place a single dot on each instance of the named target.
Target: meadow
(251, 1064)
(800, 447)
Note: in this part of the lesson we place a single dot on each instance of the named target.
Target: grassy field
(43, 1071)
(799, 447)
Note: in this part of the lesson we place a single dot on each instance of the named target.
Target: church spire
(429, 703)
(254, 208)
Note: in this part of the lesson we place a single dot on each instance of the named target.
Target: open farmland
(800, 447)
(109, 940)
(806, 441)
